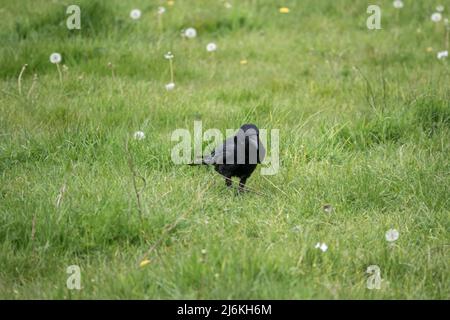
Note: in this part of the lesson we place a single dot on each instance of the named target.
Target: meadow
(364, 120)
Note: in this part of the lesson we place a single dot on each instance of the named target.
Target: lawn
(364, 123)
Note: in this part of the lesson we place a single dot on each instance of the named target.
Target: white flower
(170, 86)
(398, 4)
(211, 47)
(392, 235)
(321, 246)
(203, 251)
(135, 14)
(55, 58)
(442, 54)
(227, 5)
(190, 33)
(168, 55)
(440, 8)
(436, 17)
(139, 135)
(161, 10)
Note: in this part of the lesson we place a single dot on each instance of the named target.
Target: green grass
(374, 143)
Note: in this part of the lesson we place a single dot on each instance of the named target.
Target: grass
(364, 119)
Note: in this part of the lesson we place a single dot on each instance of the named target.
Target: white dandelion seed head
(398, 4)
(322, 246)
(211, 47)
(135, 14)
(436, 17)
(442, 54)
(440, 8)
(161, 10)
(392, 235)
(190, 33)
(139, 135)
(168, 55)
(55, 58)
(170, 86)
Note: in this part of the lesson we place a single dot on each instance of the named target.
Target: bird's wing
(224, 153)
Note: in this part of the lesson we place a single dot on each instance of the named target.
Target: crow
(238, 156)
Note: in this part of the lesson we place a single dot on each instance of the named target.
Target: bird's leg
(242, 184)
(228, 181)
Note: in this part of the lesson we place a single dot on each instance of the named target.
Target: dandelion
(392, 235)
(211, 47)
(243, 61)
(144, 263)
(321, 246)
(170, 86)
(436, 17)
(161, 10)
(190, 33)
(284, 10)
(398, 4)
(442, 54)
(328, 208)
(168, 55)
(429, 49)
(170, 3)
(139, 135)
(56, 58)
(440, 8)
(135, 14)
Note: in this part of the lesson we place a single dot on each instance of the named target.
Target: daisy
(398, 4)
(436, 17)
(392, 235)
(321, 246)
(442, 55)
(440, 8)
(55, 58)
(170, 86)
(211, 47)
(139, 135)
(190, 33)
(135, 14)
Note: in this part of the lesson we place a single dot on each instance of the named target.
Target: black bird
(238, 156)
